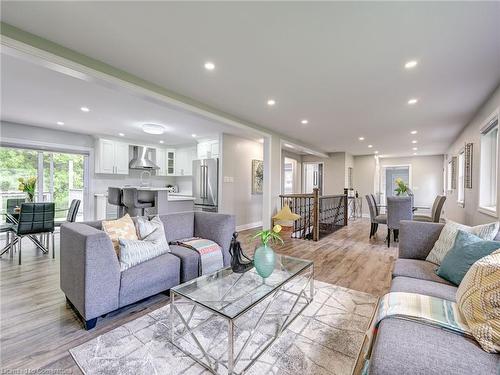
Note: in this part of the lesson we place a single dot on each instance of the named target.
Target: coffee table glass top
(231, 294)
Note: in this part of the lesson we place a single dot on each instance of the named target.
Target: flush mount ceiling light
(370, 146)
(121, 134)
(412, 101)
(304, 122)
(209, 65)
(361, 138)
(84, 109)
(411, 64)
(60, 123)
(153, 129)
(414, 141)
(161, 142)
(413, 132)
(271, 102)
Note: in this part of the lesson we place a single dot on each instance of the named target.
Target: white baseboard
(239, 228)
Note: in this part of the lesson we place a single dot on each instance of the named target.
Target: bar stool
(132, 203)
(115, 197)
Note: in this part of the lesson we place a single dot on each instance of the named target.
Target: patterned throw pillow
(121, 228)
(478, 299)
(152, 243)
(447, 238)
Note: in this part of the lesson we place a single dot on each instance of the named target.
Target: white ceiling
(35, 95)
(340, 65)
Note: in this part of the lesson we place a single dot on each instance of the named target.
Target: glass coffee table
(225, 321)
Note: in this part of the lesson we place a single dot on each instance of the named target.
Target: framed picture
(257, 176)
(468, 165)
(454, 172)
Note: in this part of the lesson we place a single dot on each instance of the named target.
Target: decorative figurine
(238, 264)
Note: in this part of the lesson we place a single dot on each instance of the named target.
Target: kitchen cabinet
(184, 161)
(112, 157)
(208, 149)
(166, 160)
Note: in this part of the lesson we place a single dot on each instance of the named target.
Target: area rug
(324, 339)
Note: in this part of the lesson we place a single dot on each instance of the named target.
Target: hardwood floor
(37, 328)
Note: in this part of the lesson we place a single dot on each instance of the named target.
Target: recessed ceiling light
(209, 65)
(411, 64)
(414, 141)
(361, 138)
(376, 152)
(412, 101)
(161, 142)
(305, 122)
(415, 148)
(370, 146)
(121, 134)
(271, 102)
(193, 135)
(60, 123)
(84, 109)
(153, 129)
(413, 132)
(415, 153)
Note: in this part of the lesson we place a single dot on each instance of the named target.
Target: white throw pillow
(447, 238)
(152, 243)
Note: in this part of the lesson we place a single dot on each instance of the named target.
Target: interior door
(313, 177)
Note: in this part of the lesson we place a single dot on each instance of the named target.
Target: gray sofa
(90, 270)
(405, 347)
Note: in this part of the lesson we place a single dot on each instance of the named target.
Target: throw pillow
(467, 249)
(152, 243)
(121, 228)
(478, 299)
(447, 238)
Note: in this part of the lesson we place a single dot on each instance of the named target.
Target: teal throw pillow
(466, 250)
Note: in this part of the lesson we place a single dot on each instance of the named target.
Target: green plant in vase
(265, 258)
(28, 186)
(402, 187)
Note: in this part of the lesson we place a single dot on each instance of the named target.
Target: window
(449, 175)
(489, 167)
(461, 175)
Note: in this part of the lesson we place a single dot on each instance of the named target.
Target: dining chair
(375, 218)
(72, 212)
(35, 218)
(437, 208)
(398, 208)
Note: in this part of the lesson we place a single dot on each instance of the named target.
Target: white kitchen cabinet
(111, 157)
(161, 161)
(208, 149)
(184, 160)
(171, 162)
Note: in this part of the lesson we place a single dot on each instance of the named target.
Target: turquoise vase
(264, 260)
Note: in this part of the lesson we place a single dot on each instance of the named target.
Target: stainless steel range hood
(142, 159)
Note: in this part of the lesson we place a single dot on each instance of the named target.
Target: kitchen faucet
(147, 183)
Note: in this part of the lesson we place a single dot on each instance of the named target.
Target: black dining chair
(72, 212)
(35, 218)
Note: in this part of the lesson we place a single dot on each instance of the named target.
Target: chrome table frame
(216, 364)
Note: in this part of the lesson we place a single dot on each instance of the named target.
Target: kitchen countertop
(172, 197)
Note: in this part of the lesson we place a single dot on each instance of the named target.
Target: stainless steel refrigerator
(206, 184)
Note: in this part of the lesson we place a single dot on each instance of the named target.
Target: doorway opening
(313, 177)
(388, 177)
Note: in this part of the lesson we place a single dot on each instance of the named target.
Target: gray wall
(469, 214)
(237, 197)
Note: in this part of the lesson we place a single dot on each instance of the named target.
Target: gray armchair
(398, 208)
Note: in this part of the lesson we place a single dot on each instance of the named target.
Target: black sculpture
(238, 264)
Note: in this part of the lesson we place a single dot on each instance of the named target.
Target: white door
(106, 162)
(121, 158)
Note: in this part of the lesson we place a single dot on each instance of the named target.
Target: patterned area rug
(324, 339)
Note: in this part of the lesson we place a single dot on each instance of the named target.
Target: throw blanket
(423, 309)
(211, 259)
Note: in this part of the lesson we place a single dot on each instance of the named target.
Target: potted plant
(402, 187)
(28, 186)
(264, 258)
